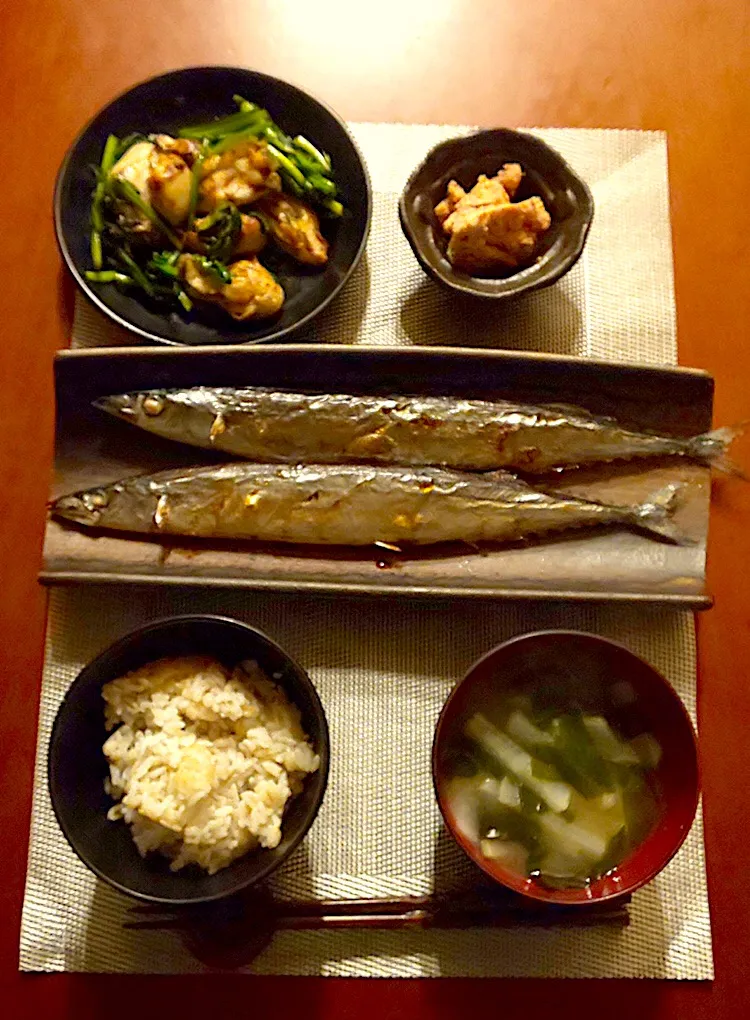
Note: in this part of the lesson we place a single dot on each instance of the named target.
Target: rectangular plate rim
(51, 578)
(700, 600)
(448, 353)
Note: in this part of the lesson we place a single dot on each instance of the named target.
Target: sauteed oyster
(184, 218)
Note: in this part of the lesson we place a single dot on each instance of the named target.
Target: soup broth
(560, 791)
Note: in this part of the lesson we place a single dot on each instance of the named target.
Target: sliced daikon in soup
(562, 797)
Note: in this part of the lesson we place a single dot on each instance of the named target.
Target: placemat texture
(384, 668)
(616, 303)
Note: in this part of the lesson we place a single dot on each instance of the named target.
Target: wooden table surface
(680, 65)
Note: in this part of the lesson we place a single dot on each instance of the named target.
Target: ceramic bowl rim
(91, 294)
(461, 282)
(133, 637)
(534, 892)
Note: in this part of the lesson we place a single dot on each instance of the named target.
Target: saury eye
(153, 405)
(97, 500)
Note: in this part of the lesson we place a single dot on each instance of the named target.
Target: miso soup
(559, 794)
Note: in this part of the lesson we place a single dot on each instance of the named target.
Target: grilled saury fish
(348, 505)
(260, 424)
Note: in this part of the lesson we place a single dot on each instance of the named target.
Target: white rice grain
(202, 760)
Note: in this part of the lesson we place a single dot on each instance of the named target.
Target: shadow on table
(410, 643)
(530, 999)
(549, 320)
(207, 996)
(66, 298)
(340, 322)
(110, 946)
(535, 951)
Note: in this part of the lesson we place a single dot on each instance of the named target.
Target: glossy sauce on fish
(348, 504)
(473, 435)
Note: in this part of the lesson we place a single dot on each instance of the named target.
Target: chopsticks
(232, 933)
(458, 911)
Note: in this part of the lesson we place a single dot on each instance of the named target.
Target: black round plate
(192, 95)
(77, 766)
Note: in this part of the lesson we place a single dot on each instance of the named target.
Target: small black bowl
(77, 767)
(546, 174)
(192, 95)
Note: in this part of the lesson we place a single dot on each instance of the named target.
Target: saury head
(82, 507)
(132, 405)
(183, 415)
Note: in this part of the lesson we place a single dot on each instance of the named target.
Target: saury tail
(655, 515)
(711, 448)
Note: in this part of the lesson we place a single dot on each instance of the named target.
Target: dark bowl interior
(546, 174)
(192, 95)
(77, 766)
(574, 664)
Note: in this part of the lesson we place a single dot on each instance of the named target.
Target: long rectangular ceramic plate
(93, 449)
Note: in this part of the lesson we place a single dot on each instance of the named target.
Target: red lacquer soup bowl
(567, 663)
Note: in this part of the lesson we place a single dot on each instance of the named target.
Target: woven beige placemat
(384, 668)
(617, 302)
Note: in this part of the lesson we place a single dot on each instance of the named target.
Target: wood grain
(682, 65)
